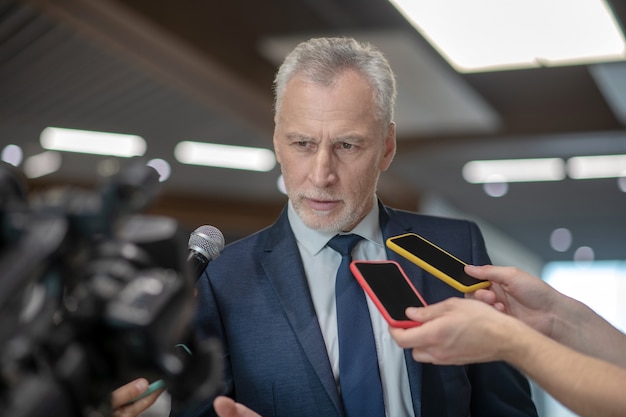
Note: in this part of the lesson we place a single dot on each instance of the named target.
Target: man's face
(331, 149)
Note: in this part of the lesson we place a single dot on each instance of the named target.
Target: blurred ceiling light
(91, 142)
(496, 189)
(561, 239)
(597, 166)
(621, 183)
(514, 170)
(225, 156)
(12, 154)
(584, 255)
(162, 167)
(42, 164)
(484, 35)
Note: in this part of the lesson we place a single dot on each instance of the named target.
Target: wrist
(521, 344)
(567, 316)
(508, 334)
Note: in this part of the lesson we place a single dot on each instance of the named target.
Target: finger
(135, 408)
(422, 356)
(225, 407)
(493, 273)
(416, 313)
(397, 333)
(486, 296)
(127, 392)
(430, 312)
(415, 337)
(476, 271)
(433, 311)
(500, 307)
(407, 338)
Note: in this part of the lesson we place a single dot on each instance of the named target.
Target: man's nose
(322, 171)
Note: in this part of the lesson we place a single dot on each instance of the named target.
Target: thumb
(424, 314)
(126, 393)
(492, 273)
(431, 312)
(415, 313)
(225, 407)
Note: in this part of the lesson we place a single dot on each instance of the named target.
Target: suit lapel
(284, 269)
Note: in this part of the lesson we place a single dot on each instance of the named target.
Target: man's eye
(345, 145)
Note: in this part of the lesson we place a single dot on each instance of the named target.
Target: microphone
(205, 244)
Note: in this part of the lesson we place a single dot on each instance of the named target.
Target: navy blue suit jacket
(255, 298)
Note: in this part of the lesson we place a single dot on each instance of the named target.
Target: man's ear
(390, 147)
(275, 140)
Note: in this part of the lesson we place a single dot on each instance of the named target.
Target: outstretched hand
(456, 331)
(519, 294)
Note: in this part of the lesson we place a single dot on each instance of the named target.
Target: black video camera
(92, 296)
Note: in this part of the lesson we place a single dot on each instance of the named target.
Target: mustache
(318, 195)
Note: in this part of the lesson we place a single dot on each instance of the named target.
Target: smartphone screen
(425, 254)
(389, 288)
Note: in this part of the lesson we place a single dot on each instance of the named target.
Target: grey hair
(322, 59)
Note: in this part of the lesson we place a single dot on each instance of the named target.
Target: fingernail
(141, 384)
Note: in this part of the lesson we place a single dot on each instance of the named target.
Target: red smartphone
(389, 288)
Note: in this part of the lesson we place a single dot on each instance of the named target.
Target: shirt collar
(314, 240)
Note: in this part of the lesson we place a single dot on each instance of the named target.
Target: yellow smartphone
(435, 261)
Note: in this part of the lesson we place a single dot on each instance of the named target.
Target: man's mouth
(322, 205)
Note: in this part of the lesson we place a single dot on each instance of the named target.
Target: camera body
(94, 295)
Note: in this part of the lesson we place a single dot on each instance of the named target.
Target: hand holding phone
(436, 261)
(159, 383)
(155, 386)
(389, 288)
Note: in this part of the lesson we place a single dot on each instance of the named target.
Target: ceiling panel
(199, 70)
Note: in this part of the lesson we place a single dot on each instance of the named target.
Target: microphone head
(208, 241)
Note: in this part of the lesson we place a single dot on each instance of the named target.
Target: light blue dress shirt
(321, 264)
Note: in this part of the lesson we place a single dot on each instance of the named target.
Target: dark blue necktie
(359, 377)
